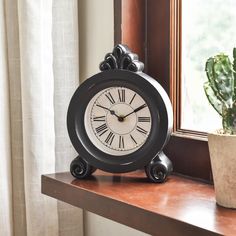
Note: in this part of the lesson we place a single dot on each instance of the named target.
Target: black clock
(120, 119)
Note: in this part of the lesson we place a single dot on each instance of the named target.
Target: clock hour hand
(136, 110)
(111, 111)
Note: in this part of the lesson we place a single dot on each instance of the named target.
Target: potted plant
(220, 90)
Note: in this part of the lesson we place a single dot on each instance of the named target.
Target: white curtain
(38, 74)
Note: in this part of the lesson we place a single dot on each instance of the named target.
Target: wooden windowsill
(178, 207)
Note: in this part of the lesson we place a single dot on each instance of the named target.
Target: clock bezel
(159, 106)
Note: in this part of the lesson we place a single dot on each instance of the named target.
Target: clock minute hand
(111, 111)
(136, 110)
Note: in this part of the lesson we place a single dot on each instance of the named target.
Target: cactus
(220, 89)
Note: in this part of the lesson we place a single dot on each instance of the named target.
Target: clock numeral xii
(121, 93)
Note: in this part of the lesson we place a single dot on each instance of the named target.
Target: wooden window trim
(152, 29)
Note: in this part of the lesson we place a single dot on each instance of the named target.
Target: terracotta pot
(222, 149)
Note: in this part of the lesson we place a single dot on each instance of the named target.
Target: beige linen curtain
(38, 74)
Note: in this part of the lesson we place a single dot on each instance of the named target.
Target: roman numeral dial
(121, 94)
(110, 98)
(144, 119)
(121, 142)
(99, 118)
(100, 130)
(118, 120)
(110, 138)
(141, 130)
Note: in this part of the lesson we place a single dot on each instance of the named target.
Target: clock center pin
(120, 124)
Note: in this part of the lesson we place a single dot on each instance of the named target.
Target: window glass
(208, 28)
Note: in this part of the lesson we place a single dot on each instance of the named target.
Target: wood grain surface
(178, 207)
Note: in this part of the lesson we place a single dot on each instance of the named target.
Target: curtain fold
(66, 76)
(6, 217)
(35, 27)
(38, 73)
(14, 73)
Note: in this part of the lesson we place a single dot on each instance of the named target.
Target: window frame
(152, 29)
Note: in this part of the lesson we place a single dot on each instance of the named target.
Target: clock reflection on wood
(119, 120)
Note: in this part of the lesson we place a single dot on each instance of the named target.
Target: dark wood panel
(190, 157)
(158, 41)
(117, 21)
(130, 25)
(177, 207)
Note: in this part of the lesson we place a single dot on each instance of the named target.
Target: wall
(96, 29)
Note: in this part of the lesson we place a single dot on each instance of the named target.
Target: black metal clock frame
(122, 68)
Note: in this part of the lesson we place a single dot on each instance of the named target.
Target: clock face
(118, 121)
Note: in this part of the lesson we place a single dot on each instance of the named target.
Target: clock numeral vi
(121, 93)
(144, 119)
(110, 138)
(110, 98)
(141, 130)
(121, 142)
(102, 129)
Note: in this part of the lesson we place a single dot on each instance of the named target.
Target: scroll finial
(121, 58)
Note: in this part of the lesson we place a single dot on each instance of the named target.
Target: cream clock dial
(118, 120)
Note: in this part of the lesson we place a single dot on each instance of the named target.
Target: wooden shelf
(177, 207)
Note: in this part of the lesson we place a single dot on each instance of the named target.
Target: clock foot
(159, 168)
(80, 169)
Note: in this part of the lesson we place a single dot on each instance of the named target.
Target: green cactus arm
(209, 68)
(209, 72)
(210, 75)
(224, 78)
(214, 101)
